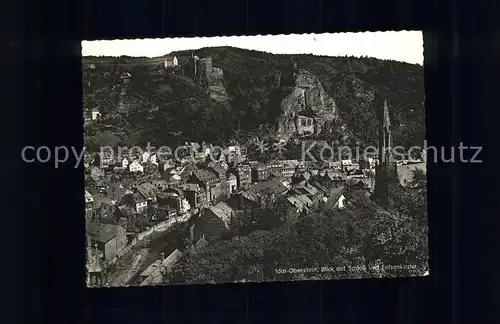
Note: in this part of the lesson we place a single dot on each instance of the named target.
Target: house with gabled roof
(260, 172)
(258, 194)
(214, 221)
(103, 207)
(170, 61)
(175, 198)
(299, 177)
(336, 200)
(296, 208)
(89, 201)
(136, 201)
(360, 184)
(210, 181)
(110, 239)
(148, 191)
(195, 194)
(305, 188)
(135, 167)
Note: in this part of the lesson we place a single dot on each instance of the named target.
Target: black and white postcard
(255, 158)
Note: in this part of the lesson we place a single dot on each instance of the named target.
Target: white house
(140, 202)
(153, 159)
(233, 183)
(88, 198)
(340, 204)
(124, 163)
(171, 61)
(175, 178)
(184, 206)
(168, 164)
(136, 167)
(89, 204)
(336, 200)
(346, 162)
(332, 164)
(145, 157)
(95, 114)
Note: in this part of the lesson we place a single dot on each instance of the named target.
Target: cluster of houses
(127, 193)
(303, 186)
(141, 187)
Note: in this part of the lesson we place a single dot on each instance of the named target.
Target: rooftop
(100, 199)
(223, 211)
(102, 232)
(157, 275)
(273, 185)
(296, 202)
(138, 198)
(204, 175)
(304, 200)
(147, 190)
(308, 188)
(190, 187)
(88, 196)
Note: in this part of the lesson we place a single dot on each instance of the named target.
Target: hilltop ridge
(250, 93)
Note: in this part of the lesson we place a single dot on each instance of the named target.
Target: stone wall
(204, 66)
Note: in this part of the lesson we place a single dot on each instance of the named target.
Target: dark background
(43, 256)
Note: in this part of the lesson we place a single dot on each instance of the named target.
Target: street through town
(164, 244)
(126, 270)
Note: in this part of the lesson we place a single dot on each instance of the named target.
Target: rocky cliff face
(307, 99)
(253, 94)
(215, 82)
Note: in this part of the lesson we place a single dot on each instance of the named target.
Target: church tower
(294, 67)
(386, 176)
(385, 136)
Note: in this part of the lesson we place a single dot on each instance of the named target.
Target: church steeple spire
(386, 171)
(387, 120)
(385, 136)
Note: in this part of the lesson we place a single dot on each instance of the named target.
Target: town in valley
(251, 207)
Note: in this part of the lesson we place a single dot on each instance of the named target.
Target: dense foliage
(166, 108)
(357, 242)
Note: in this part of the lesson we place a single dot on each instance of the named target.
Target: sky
(403, 46)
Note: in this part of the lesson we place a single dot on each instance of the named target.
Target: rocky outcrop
(306, 109)
(277, 79)
(213, 78)
(215, 82)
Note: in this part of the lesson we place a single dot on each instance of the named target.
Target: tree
(362, 234)
(178, 234)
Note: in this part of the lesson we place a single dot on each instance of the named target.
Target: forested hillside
(166, 108)
(359, 240)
